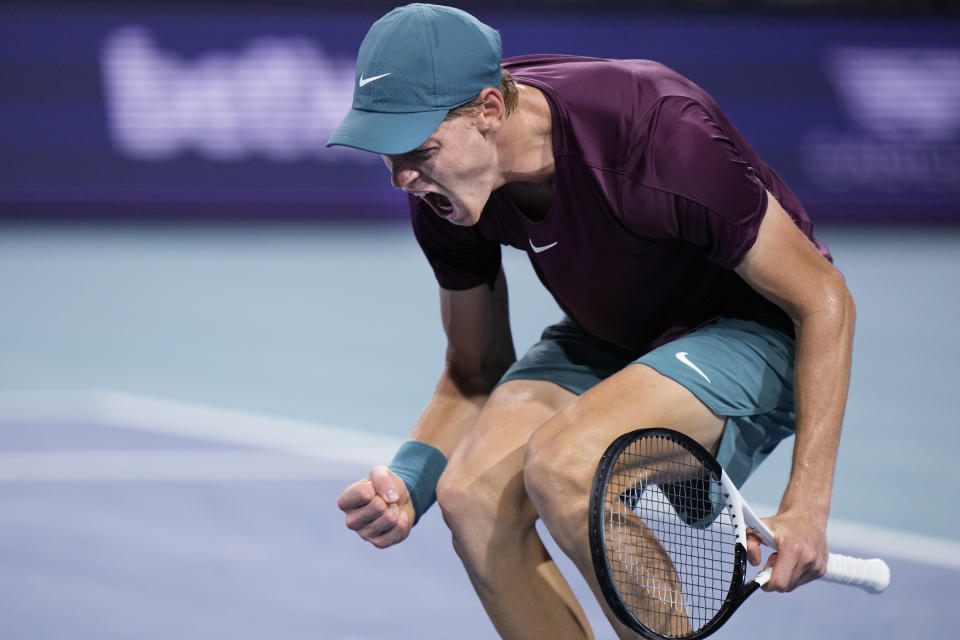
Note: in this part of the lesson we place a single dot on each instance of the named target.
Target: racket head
(665, 537)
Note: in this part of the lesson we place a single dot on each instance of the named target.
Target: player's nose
(403, 171)
(402, 177)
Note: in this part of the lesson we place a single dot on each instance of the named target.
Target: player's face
(454, 171)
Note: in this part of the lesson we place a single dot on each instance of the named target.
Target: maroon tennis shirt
(657, 199)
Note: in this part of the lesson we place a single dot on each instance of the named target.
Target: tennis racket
(668, 535)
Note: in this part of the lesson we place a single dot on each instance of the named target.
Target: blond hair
(511, 96)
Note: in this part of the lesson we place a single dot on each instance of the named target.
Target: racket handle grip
(871, 575)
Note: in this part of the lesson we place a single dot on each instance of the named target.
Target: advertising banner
(203, 113)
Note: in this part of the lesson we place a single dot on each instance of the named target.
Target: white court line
(894, 544)
(126, 411)
(308, 440)
(886, 543)
(180, 465)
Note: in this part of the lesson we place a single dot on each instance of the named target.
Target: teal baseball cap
(414, 65)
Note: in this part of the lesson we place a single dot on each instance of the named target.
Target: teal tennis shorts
(740, 369)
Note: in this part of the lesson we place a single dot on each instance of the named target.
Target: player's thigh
(637, 397)
(485, 471)
(640, 397)
(736, 368)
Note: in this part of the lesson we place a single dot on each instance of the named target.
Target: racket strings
(669, 539)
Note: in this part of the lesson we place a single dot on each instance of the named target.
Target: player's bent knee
(555, 477)
(452, 496)
(475, 506)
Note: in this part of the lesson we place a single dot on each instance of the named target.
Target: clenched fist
(378, 508)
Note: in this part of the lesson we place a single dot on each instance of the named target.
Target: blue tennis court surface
(179, 411)
(158, 534)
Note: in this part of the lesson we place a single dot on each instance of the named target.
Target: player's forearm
(454, 407)
(479, 351)
(455, 404)
(821, 381)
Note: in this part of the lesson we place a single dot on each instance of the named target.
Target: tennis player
(694, 292)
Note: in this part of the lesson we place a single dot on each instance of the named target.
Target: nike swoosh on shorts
(682, 357)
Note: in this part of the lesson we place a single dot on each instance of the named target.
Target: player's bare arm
(786, 268)
(479, 349)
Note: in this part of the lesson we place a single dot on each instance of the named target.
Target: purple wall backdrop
(205, 114)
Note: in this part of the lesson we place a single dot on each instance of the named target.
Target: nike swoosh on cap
(365, 81)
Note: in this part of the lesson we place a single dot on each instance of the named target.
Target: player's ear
(493, 110)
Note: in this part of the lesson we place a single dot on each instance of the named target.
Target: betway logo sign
(278, 98)
(903, 132)
(900, 93)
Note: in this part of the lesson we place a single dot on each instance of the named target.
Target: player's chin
(465, 216)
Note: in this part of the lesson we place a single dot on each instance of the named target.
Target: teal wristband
(419, 465)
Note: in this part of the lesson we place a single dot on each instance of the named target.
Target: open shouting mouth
(439, 203)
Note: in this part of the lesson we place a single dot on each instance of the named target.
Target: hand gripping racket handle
(871, 575)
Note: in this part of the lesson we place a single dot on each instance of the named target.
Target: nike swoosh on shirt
(365, 81)
(537, 249)
(682, 357)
